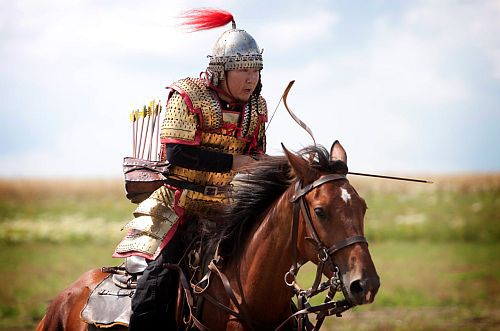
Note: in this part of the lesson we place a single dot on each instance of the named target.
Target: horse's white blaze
(345, 195)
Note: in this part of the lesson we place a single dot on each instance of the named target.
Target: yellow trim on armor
(219, 142)
(182, 123)
(203, 177)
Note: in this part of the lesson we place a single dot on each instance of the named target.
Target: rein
(325, 253)
(328, 308)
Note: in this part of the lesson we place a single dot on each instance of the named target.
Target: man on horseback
(213, 126)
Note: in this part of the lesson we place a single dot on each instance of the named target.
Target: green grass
(33, 273)
(454, 284)
(429, 286)
(53, 200)
(436, 248)
(452, 209)
(62, 211)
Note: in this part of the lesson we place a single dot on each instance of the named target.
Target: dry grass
(62, 210)
(435, 247)
(37, 188)
(458, 182)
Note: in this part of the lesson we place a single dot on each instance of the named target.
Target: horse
(286, 211)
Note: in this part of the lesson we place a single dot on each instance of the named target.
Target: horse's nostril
(356, 287)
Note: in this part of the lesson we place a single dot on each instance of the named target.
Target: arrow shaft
(391, 177)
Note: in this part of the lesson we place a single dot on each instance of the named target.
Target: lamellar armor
(194, 116)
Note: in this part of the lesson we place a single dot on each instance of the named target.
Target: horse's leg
(63, 312)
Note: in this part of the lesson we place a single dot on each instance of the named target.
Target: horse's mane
(256, 191)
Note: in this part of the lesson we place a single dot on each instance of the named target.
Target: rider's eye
(320, 213)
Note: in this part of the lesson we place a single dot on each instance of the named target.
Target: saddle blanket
(108, 305)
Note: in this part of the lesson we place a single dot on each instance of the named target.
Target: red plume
(206, 18)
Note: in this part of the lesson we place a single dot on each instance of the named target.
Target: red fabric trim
(196, 111)
(185, 96)
(255, 143)
(231, 128)
(166, 240)
(170, 234)
(196, 141)
(180, 213)
(132, 253)
(168, 237)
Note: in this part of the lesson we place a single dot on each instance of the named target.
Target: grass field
(436, 248)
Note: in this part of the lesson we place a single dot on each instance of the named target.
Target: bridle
(303, 308)
(325, 254)
(298, 199)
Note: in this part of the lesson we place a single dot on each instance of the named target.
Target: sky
(407, 87)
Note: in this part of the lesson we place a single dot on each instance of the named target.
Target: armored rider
(213, 126)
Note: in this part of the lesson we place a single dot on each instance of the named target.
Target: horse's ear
(337, 152)
(301, 168)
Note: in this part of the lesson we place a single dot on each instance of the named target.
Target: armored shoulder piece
(179, 124)
(201, 100)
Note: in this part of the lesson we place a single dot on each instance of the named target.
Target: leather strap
(346, 242)
(133, 163)
(204, 189)
(188, 295)
(324, 257)
(230, 293)
(299, 192)
(331, 308)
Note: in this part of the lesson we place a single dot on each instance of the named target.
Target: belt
(204, 189)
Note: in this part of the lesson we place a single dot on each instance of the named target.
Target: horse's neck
(267, 257)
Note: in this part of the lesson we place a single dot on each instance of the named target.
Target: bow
(295, 118)
(305, 127)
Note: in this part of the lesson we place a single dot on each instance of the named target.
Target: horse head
(330, 228)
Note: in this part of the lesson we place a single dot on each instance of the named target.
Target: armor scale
(201, 108)
(193, 116)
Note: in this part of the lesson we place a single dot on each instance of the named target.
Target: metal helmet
(235, 48)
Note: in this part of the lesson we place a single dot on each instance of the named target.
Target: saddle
(110, 303)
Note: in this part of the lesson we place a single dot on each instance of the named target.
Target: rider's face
(241, 83)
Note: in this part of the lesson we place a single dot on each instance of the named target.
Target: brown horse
(259, 245)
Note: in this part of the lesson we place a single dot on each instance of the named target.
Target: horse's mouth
(361, 291)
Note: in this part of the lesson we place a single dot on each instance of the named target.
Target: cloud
(460, 25)
(297, 32)
(392, 95)
(394, 92)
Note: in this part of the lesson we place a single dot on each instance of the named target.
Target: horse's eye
(320, 213)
